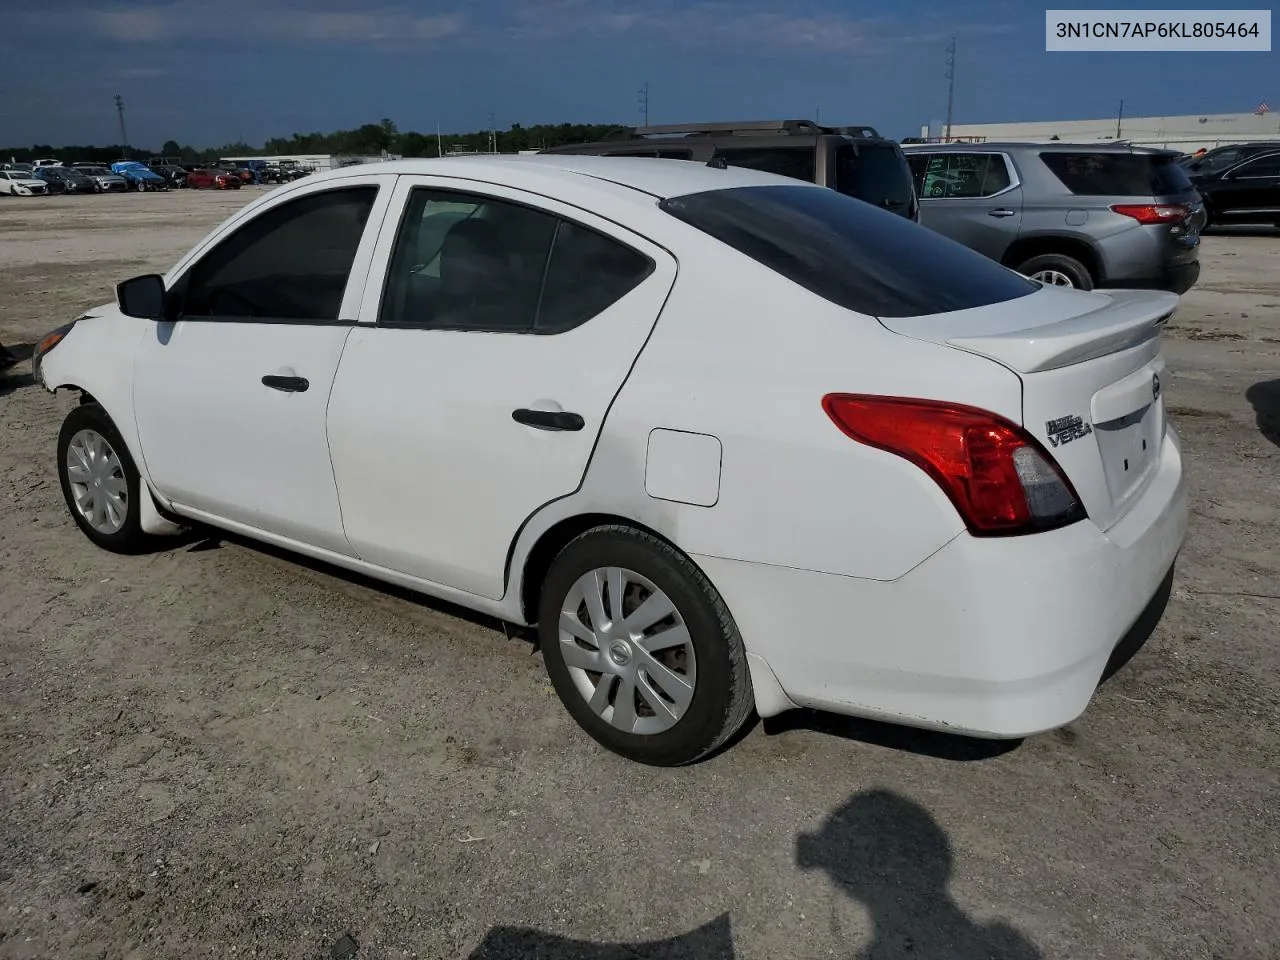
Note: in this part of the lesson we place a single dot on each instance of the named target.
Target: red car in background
(213, 180)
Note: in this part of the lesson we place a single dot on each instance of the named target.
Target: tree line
(369, 139)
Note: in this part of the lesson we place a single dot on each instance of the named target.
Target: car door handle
(548, 419)
(287, 384)
(1002, 212)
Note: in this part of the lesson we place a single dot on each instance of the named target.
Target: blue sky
(207, 72)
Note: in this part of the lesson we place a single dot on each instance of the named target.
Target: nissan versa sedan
(730, 441)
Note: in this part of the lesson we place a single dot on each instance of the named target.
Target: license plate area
(1129, 447)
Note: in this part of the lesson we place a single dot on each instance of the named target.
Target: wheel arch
(1038, 245)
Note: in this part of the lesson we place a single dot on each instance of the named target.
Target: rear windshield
(849, 252)
(1117, 174)
(876, 174)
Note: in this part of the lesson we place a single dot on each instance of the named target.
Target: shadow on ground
(10, 377)
(1265, 397)
(884, 852)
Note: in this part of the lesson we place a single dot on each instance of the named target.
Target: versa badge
(1065, 429)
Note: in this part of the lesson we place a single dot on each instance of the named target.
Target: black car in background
(174, 174)
(66, 180)
(1220, 158)
(1246, 192)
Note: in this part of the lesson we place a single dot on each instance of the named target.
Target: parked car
(17, 167)
(175, 175)
(754, 443)
(1247, 192)
(17, 183)
(201, 178)
(855, 161)
(46, 163)
(1065, 214)
(1220, 158)
(104, 179)
(66, 180)
(139, 177)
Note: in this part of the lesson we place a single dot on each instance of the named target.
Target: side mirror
(142, 297)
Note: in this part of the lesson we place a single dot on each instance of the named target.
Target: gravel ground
(218, 751)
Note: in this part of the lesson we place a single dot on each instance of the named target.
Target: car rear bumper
(997, 637)
(1176, 278)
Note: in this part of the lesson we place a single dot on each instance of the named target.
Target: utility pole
(1119, 116)
(439, 142)
(951, 83)
(124, 137)
(644, 102)
(493, 132)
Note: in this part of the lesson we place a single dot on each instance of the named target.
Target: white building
(1187, 134)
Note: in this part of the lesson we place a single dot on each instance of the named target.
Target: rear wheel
(100, 482)
(1058, 270)
(641, 648)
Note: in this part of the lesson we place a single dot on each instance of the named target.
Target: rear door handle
(1002, 212)
(548, 419)
(286, 384)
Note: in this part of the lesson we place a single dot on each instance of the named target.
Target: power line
(644, 102)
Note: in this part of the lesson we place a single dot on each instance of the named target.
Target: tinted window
(1268, 166)
(876, 174)
(797, 162)
(464, 262)
(588, 272)
(960, 176)
(1117, 174)
(290, 263)
(849, 252)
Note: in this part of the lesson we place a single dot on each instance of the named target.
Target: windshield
(876, 174)
(849, 252)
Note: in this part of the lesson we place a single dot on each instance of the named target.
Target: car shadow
(1241, 230)
(885, 853)
(935, 744)
(1137, 635)
(11, 378)
(1265, 398)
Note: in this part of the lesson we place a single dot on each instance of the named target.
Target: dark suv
(1220, 158)
(1072, 215)
(856, 161)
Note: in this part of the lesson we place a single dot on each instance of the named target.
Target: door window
(798, 162)
(960, 176)
(290, 263)
(466, 262)
(1262, 167)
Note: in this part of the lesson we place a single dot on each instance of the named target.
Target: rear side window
(797, 162)
(1117, 174)
(960, 176)
(848, 252)
(1268, 166)
(876, 174)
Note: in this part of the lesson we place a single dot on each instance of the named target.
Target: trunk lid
(1092, 370)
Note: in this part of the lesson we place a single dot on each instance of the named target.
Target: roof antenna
(718, 163)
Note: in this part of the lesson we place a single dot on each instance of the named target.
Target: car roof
(1055, 146)
(644, 175)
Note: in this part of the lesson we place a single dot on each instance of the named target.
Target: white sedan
(731, 441)
(18, 183)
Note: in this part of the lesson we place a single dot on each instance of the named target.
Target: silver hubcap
(628, 650)
(1054, 278)
(97, 481)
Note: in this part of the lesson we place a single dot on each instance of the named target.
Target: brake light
(998, 477)
(1148, 213)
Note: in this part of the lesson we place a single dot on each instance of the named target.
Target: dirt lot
(216, 751)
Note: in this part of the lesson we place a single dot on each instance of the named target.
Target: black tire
(722, 698)
(130, 538)
(1060, 263)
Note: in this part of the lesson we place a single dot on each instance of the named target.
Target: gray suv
(1079, 215)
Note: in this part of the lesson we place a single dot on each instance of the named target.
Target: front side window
(963, 176)
(850, 253)
(1268, 166)
(799, 162)
(468, 262)
(290, 263)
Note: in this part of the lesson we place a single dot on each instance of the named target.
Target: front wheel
(1058, 270)
(100, 482)
(641, 649)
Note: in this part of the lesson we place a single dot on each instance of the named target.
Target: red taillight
(1148, 213)
(1000, 480)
